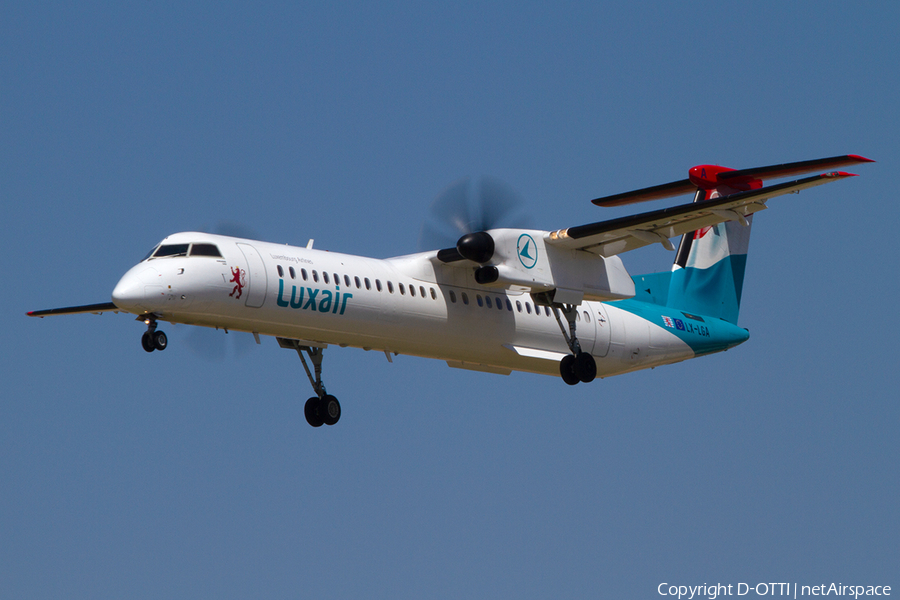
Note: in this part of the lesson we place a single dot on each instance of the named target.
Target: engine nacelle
(521, 259)
(477, 247)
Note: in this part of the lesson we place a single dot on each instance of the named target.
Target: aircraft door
(256, 276)
(601, 328)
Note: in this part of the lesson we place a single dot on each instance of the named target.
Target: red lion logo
(239, 280)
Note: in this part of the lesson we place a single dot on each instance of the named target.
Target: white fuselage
(406, 305)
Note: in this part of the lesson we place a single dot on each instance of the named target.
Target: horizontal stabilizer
(735, 178)
(657, 192)
(74, 310)
(792, 169)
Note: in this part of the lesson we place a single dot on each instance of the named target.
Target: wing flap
(615, 236)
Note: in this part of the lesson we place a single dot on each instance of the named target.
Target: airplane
(502, 299)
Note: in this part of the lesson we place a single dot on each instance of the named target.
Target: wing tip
(859, 158)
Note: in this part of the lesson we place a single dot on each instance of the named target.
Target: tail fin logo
(239, 279)
(702, 232)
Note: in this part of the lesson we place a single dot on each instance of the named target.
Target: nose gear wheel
(153, 339)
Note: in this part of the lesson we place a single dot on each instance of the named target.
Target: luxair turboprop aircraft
(553, 302)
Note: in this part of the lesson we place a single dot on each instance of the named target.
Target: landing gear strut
(153, 339)
(580, 365)
(323, 408)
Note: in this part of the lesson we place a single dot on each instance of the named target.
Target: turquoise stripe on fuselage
(703, 334)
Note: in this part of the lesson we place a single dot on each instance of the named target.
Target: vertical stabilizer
(708, 274)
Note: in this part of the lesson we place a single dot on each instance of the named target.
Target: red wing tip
(859, 158)
(842, 174)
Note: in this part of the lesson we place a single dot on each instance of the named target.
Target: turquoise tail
(708, 274)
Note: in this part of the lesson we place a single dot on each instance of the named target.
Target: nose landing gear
(153, 339)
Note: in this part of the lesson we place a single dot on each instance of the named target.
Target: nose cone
(129, 293)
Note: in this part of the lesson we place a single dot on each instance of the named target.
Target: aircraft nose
(129, 293)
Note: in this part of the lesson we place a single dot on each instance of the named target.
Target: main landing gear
(153, 339)
(323, 408)
(579, 366)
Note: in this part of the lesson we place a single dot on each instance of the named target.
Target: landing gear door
(256, 276)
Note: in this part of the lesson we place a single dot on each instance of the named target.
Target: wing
(74, 310)
(615, 236)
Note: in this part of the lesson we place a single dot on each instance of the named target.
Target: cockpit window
(149, 254)
(205, 250)
(171, 250)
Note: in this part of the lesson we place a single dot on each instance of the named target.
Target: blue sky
(180, 474)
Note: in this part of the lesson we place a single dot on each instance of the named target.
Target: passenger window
(433, 294)
(368, 284)
(402, 289)
(547, 310)
(303, 274)
(390, 287)
(356, 281)
(518, 306)
(587, 317)
(528, 308)
(499, 304)
(325, 276)
(280, 271)
(508, 305)
(465, 298)
(412, 291)
(577, 317)
(452, 296)
(487, 300)
(337, 280)
(378, 284)
(292, 272)
(421, 291)
(347, 281)
(479, 300)
(205, 250)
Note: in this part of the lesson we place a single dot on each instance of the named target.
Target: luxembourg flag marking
(668, 322)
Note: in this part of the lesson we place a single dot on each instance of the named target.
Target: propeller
(467, 207)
